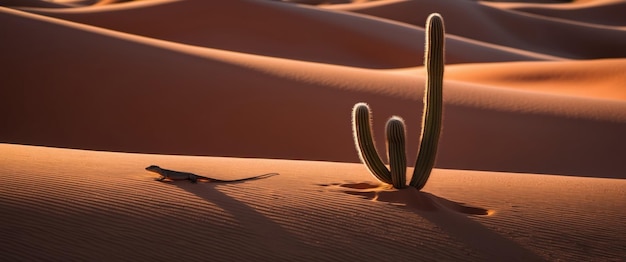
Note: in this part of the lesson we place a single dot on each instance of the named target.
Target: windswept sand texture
(70, 204)
(530, 166)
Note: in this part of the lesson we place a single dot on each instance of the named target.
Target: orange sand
(530, 166)
(65, 204)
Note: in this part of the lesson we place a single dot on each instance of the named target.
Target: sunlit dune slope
(603, 78)
(82, 205)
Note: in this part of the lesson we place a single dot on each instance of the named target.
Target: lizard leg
(160, 178)
(193, 178)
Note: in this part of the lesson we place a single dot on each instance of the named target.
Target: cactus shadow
(412, 199)
(453, 218)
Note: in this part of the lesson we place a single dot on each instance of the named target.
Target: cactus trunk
(433, 101)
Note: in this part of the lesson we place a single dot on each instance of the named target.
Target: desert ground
(531, 163)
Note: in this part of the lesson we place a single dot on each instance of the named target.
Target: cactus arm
(396, 151)
(364, 141)
(433, 101)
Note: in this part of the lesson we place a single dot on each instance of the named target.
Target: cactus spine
(431, 122)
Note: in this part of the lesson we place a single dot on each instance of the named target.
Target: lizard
(177, 175)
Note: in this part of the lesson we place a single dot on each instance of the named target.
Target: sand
(530, 164)
(87, 205)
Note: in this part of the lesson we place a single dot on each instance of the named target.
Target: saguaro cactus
(431, 122)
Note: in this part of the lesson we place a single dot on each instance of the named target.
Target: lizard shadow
(236, 181)
(203, 179)
(451, 217)
(258, 226)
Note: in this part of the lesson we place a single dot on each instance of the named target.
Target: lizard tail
(263, 176)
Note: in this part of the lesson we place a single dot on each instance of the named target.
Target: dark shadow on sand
(451, 217)
(271, 235)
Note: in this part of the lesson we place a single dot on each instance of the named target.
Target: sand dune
(45, 4)
(356, 40)
(56, 208)
(133, 107)
(109, 2)
(597, 12)
(59, 3)
(602, 78)
(532, 90)
(474, 20)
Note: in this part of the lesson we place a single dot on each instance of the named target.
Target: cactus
(431, 122)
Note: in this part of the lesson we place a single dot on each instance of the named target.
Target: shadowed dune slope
(285, 30)
(27, 3)
(58, 3)
(474, 20)
(107, 90)
(596, 12)
(80, 205)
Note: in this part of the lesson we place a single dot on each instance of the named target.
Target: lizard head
(153, 168)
